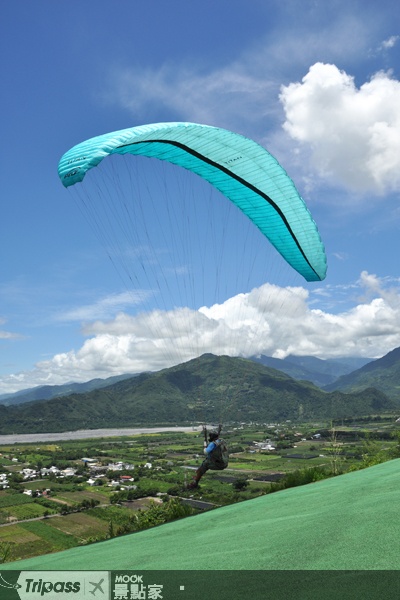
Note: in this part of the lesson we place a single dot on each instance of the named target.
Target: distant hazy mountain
(309, 368)
(383, 374)
(209, 388)
(46, 392)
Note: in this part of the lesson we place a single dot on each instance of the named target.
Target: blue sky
(316, 83)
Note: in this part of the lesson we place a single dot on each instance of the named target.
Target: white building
(120, 466)
(28, 473)
(4, 481)
(68, 472)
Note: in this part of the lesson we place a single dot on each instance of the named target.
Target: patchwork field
(31, 538)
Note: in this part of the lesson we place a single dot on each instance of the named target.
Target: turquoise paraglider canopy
(238, 167)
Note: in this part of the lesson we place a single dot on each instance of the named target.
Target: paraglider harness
(218, 459)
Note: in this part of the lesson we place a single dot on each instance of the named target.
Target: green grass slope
(347, 522)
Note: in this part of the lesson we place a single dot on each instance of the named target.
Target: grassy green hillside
(347, 522)
(209, 388)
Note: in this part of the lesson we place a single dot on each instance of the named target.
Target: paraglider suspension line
(234, 176)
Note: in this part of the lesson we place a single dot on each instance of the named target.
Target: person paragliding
(217, 456)
(248, 176)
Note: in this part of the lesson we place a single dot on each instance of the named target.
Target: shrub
(300, 477)
(240, 484)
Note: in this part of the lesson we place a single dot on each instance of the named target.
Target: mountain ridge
(208, 388)
(309, 368)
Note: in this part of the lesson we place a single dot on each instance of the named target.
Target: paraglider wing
(238, 167)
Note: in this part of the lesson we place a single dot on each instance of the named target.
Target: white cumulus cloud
(353, 133)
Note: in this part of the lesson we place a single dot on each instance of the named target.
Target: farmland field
(27, 511)
(80, 525)
(16, 534)
(77, 497)
(32, 538)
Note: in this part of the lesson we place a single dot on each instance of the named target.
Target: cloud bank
(268, 320)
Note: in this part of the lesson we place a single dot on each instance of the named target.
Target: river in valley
(83, 434)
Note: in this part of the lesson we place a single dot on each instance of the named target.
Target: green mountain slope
(383, 374)
(209, 388)
(346, 522)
